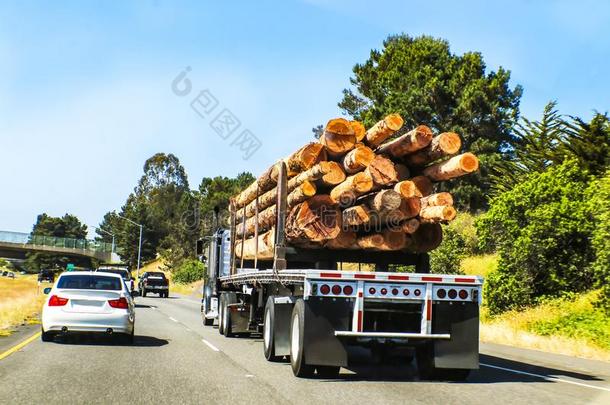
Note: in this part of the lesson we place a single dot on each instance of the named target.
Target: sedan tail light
(120, 303)
(56, 301)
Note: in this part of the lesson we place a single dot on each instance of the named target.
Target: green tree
(598, 196)
(423, 81)
(542, 231)
(68, 226)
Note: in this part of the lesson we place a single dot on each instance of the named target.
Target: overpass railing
(53, 241)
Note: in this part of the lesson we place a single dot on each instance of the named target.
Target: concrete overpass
(16, 245)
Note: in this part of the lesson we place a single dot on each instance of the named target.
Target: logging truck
(291, 263)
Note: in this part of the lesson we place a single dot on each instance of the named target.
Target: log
(393, 219)
(354, 186)
(338, 137)
(316, 220)
(383, 130)
(407, 189)
(359, 130)
(384, 200)
(455, 167)
(426, 238)
(264, 182)
(412, 141)
(345, 240)
(382, 172)
(357, 159)
(387, 240)
(323, 174)
(410, 226)
(304, 158)
(356, 216)
(445, 144)
(266, 244)
(437, 213)
(403, 171)
(423, 184)
(442, 198)
(297, 195)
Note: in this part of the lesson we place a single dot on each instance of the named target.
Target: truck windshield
(87, 282)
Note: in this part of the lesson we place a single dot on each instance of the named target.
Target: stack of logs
(356, 189)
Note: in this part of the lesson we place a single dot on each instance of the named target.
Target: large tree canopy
(427, 84)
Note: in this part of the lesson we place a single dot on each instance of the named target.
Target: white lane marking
(175, 320)
(545, 377)
(211, 346)
(153, 308)
(249, 376)
(188, 330)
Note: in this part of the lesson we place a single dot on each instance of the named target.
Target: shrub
(599, 203)
(447, 257)
(541, 230)
(189, 271)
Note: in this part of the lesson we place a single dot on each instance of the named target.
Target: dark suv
(154, 282)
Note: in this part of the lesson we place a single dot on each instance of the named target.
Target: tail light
(417, 292)
(348, 290)
(395, 291)
(452, 294)
(372, 290)
(405, 291)
(120, 303)
(384, 291)
(441, 293)
(336, 289)
(56, 301)
(463, 294)
(324, 289)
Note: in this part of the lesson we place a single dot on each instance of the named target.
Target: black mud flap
(462, 322)
(322, 317)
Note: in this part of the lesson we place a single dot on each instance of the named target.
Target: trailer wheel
(297, 337)
(221, 310)
(226, 314)
(427, 371)
(268, 331)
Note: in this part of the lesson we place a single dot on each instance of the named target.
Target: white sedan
(84, 301)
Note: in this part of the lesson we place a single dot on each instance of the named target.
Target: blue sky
(85, 87)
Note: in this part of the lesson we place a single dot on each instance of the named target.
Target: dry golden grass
(479, 265)
(192, 289)
(20, 301)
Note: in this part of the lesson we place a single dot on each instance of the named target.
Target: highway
(175, 359)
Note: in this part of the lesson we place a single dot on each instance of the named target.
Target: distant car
(4, 273)
(124, 273)
(154, 282)
(10, 274)
(88, 302)
(46, 275)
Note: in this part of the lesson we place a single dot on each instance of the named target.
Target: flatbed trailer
(308, 309)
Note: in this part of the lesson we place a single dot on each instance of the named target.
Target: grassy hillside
(21, 301)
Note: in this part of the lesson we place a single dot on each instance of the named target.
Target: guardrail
(53, 241)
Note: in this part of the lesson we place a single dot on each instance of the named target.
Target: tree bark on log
(359, 130)
(354, 186)
(345, 240)
(338, 137)
(427, 237)
(387, 240)
(323, 174)
(266, 245)
(437, 213)
(455, 167)
(315, 220)
(304, 158)
(382, 172)
(357, 159)
(410, 142)
(265, 182)
(384, 200)
(423, 184)
(409, 208)
(356, 216)
(403, 171)
(410, 226)
(297, 195)
(383, 130)
(445, 144)
(437, 199)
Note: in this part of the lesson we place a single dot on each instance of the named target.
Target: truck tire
(427, 371)
(204, 310)
(229, 298)
(268, 331)
(221, 310)
(297, 344)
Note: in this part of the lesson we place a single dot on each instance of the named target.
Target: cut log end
(455, 167)
(339, 126)
(345, 240)
(394, 122)
(450, 142)
(359, 130)
(407, 189)
(383, 129)
(438, 213)
(410, 226)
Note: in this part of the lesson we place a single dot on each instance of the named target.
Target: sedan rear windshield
(86, 282)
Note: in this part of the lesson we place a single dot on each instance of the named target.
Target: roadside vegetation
(21, 302)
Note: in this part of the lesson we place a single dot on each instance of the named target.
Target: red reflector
(463, 294)
(384, 291)
(405, 291)
(56, 301)
(372, 290)
(417, 293)
(441, 293)
(426, 278)
(336, 289)
(402, 278)
(395, 291)
(120, 303)
(348, 290)
(330, 275)
(324, 289)
(365, 276)
(452, 294)
(464, 280)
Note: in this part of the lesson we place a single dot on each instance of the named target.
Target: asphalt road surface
(175, 359)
